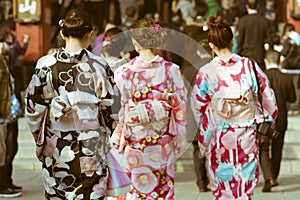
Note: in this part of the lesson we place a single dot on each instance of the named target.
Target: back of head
(273, 57)
(204, 44)
(76, 23)
(219, 32)
(130, 11)
(288, 27)
(114, 41)
(147, 33)
(252, 4)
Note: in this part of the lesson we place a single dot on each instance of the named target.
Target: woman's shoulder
(96, 57)
(46, 60)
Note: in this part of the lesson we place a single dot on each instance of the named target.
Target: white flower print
(66, 155)
(49, 182)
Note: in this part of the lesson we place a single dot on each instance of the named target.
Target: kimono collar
(227, 62)
(272, 66)
(252, 12)
(64, 55)
(116, 63)
(140, 63)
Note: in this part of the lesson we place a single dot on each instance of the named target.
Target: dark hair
(204, 44)
(130, 11)
(252, 4)
(273, 56)
(114, 41)
(201, 9)
(288, 27)
(219, 32)
(77, 23)
(147, 33)
(3, 34)
(7, 36)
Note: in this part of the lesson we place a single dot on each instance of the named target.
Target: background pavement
(185, 187)
(27, 170)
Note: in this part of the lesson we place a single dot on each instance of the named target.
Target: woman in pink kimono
(152, 117)
(226, 108)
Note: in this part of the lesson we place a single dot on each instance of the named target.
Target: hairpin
(106, 38)
(155, 28)
(61, 22)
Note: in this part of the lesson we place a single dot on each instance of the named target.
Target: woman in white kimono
(226, 108)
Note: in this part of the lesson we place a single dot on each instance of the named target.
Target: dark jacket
(252, 34)
(5, 89)
(284, 90)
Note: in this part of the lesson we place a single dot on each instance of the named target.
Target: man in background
(284, 90)
(252, 34)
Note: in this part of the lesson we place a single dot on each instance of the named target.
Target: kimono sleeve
(39, 94)
(119, 133)
(199, 97)
(106, 91)
(178, 103)
(202, 112)
(269, 105)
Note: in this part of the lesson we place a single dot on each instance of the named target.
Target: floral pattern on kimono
(152, 125)
(229, 143)
(62, 106)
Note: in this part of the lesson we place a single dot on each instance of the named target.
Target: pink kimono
(152, 125)
(226, 109)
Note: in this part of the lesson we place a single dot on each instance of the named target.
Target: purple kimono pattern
(151, 125)
(62, 106)
(227, 133)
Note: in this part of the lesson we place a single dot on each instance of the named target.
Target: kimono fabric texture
(226, 108)
(63, 101)
(151, 125)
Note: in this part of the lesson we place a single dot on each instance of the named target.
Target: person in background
(97, 45)
(252, 33)
(152, 118)
(131, 16)
(124, 4)
(230, 11)
(7, 142)
(291, 39)
(224, 102)
(189, 72)
(282, 85)
(113, 45)
(164, 9)
(213, 7)
(100, 10)
(17, 50)
(186, 10)
(17, 84)
(270, 12)
(68, 110)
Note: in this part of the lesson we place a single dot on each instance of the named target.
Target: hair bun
(216, 22)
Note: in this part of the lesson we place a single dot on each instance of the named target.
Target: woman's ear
(136, 45)
(134, 42)
(212, 46)
(89, 35)
(62, 35)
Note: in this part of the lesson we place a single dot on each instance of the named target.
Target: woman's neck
(146, 54)
(73, 45)
(223, 53)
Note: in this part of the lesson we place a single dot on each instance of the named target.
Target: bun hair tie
(61, 22)
(155, 28)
